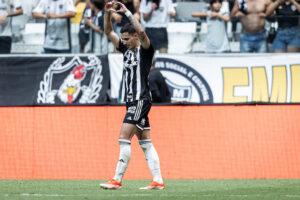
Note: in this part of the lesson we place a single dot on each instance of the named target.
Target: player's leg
(152, 159)
(126, 133)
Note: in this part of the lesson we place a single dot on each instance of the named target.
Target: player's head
(99, 4)
(129, 36)
(215, 5)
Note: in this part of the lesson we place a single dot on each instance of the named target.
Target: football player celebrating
(138, 55)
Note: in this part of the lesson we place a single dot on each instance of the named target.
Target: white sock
(152, 159)
(124, 158)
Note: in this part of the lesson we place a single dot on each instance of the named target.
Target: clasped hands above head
(112, 6)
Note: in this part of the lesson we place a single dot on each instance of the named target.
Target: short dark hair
(211, 2)
(98, 3)
(128, 28)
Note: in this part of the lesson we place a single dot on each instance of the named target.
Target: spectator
(234, 22)
(252, 14)
(84, 30)
(158, 87)
(121, 19)
(99, 41)
(288, 34)
(216, 39)
(7, 8)
(156, 14)
(57, 14)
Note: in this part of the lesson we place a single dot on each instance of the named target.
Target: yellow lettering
(295, 96)
(279, 85)
(260, 85)
(234, 77)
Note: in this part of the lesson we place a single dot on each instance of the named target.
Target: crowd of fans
(155, 16)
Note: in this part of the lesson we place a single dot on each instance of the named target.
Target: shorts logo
(184, 83)
(143, 122)
(131, 109)
(129, 118)
(82, 83)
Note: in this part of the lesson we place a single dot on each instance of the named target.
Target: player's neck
(136, 46)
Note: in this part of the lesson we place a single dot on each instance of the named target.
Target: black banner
(49, 80)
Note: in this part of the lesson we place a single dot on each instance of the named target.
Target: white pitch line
(146, 195)
(292, 196)
(52, 195)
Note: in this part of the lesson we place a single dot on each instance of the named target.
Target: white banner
(224, 78)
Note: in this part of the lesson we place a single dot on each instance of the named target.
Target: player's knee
(145, 144)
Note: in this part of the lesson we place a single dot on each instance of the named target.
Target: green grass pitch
(256, 189)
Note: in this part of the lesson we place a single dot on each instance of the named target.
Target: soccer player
(138, 55)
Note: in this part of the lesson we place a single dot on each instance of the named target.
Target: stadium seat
(184, 11)
(34, 33)
(181, 36)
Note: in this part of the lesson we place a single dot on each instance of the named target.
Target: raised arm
(145, 42)
(108, 29)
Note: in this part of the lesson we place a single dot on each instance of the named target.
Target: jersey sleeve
(17, 4)
(148, 54)
(122, 47)
(149, 51)
(41, 7)
(70, 6)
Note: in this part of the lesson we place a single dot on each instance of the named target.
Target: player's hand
(110, 6)
(3, 19)
(122, 8)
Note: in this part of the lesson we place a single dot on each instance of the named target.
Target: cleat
(154, 186)
(111, 185)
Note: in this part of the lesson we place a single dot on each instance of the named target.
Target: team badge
(82, 82)
(190, 86)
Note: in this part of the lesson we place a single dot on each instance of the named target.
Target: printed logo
(184, 83)
(129, 118)
(131, 109)
(81, 82)
(143, 121)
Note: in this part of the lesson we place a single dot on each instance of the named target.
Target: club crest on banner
(74, 81)
(185, 83)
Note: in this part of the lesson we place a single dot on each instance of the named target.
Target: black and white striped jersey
(136, 68)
